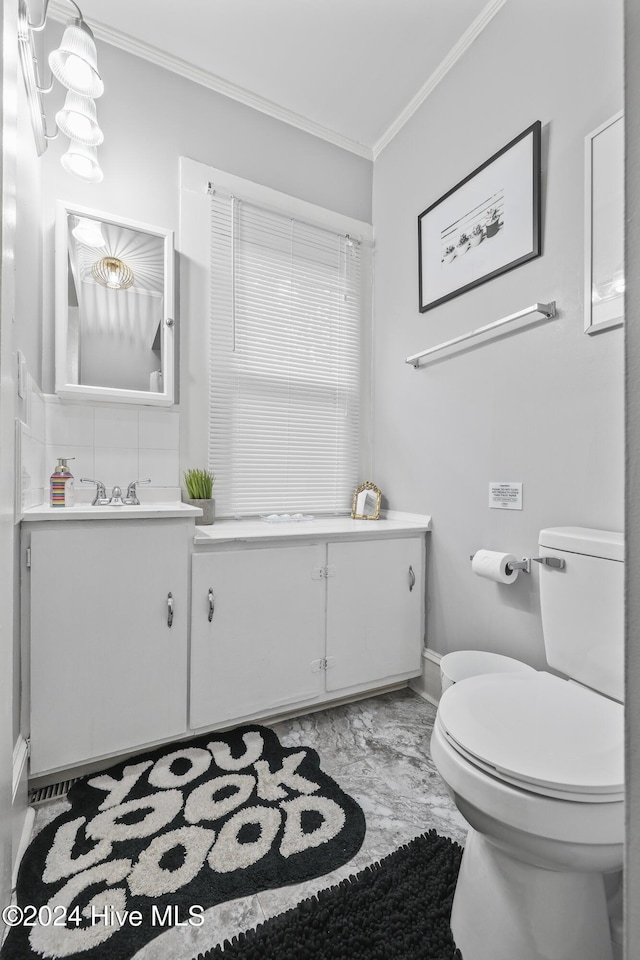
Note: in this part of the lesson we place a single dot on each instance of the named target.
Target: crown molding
(485, 17)
(59, 11)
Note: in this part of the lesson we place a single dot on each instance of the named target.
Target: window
(285, 312)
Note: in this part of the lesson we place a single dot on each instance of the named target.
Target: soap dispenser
(61, 485)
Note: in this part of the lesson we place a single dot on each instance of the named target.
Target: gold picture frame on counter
(367, 499)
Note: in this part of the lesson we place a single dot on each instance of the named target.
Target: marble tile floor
(378, 751)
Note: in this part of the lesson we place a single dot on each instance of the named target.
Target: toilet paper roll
(493, 566)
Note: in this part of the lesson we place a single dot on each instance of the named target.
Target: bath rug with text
(156, 840)
(397, 909)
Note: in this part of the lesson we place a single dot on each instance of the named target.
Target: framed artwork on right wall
(487, 224)
(604, 227)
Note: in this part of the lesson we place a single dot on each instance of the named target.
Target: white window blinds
(284, 379)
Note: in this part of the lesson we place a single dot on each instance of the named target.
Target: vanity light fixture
(113, 273)
(74, 64)
(78, 120)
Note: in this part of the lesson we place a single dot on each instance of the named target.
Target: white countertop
(84, 511)
(225, 531)
(229, 531)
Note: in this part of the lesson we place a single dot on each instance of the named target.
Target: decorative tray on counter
(285, 517)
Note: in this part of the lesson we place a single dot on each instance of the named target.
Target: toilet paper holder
(525, 564)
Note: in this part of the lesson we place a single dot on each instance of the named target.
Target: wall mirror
(366, 502)
(604, 226)
(114, 308)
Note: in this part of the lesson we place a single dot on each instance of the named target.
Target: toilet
(534, 763)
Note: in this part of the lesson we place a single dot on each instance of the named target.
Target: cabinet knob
(211, 605)
(412, 579)
(169, 609)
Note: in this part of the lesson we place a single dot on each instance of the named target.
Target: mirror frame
(367, 487)
(76, 391)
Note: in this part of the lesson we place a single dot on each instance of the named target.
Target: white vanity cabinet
(257, 635)
(141, 628)
(290, 618)
(109, 618)
(375, 610)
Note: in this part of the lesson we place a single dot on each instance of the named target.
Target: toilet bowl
(534, 763)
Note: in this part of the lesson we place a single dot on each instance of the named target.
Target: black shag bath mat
(397, 909)
(155, 841)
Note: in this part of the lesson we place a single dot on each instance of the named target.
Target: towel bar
(547, 311)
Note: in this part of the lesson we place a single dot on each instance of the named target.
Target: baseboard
(429, 685)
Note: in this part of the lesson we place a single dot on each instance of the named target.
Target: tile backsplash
(114, 444)
(30, 449)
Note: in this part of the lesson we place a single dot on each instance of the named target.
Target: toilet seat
(539, 732)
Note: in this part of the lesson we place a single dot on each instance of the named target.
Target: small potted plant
(199, 484)
(493, 221)
(463, 243)
(449, 254)
(476, 235)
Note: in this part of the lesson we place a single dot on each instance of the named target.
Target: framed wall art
(487, 224)
(604, 227)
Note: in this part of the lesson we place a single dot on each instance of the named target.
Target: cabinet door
(375, 611)
(107, 671)
(259, 646)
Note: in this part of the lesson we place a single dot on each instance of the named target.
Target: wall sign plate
(505, 495)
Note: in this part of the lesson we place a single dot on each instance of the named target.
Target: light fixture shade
(113, 273)
(88, 232)
(82, 162)
(75, 62)
(78, 120)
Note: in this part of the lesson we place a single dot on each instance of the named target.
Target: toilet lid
(540, 732)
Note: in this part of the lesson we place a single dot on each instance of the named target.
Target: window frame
(197, 180)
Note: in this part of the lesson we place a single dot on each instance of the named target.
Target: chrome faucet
(131, 498)
(101, 499)
(116, 497)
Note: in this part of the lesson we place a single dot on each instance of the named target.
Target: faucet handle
(131, 498)
(101, 499)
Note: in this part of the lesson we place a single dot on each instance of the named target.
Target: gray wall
(151, 117)
(544, 406)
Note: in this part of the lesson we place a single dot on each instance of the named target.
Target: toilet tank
(582, 606)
